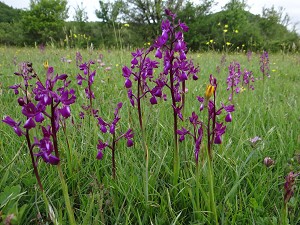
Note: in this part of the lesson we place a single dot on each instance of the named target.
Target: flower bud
(128, 83)
(129, 143)
(209, 91)
(99, 155)
(21, 101)
(268, 162)
(153, 100)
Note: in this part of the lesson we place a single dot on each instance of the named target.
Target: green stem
(146, 166)
(285, 215)
(66, 196)
(144, 143)
(197, 192)
(213, 207)
(49, 209)
(175, 124)
(146, 152)
(113, 157)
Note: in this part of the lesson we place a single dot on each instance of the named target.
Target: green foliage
(11, 33)
(9, 14)
(44, 21)
(10, 212)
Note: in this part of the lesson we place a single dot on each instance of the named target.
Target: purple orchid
(247, 78)
(89, 77)
(233, 79)
(104, 127)
(264, 64)
(16, 126)
(41, 104)
(214, 129)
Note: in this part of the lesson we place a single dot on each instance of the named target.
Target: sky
(292, 7)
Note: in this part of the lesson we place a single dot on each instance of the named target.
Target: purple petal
(8, 120)
(103, 129)
(21, 101)
(99, 155)
(184, 27)
(128, 83)
(153, 100)
(65, 111)
(29, 123)
(62, 77)
(53, 160)
(79, 79)
(129, 143)
(228, 118)
(18, 131)
(126, 72)
(195, 77)
(218, 139)
(158, 54)
(134, 61)
(112, 129)
(39, 117)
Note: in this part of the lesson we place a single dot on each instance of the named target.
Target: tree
(138, 13)
(80, 14)
(196, 17)
(9, 14)
(44, 21)
(109, 12)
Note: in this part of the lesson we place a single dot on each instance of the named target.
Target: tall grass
(245, 190)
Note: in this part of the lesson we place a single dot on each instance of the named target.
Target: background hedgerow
(245, 189)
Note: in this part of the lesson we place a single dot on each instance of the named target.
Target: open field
(245, 190)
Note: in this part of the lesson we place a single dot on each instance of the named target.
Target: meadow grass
(246, 191)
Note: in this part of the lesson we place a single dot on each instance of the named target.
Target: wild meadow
(160, 136)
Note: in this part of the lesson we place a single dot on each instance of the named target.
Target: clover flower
(268, 161)
(255, 139)
(289, 186)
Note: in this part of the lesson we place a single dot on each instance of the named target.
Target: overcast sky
(292, 7)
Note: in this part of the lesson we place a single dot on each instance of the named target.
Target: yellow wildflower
(228, 43)
(225, 31)
(126, 25)
(226, 26)
(46, 65)
(209, 91)
(236, 31)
